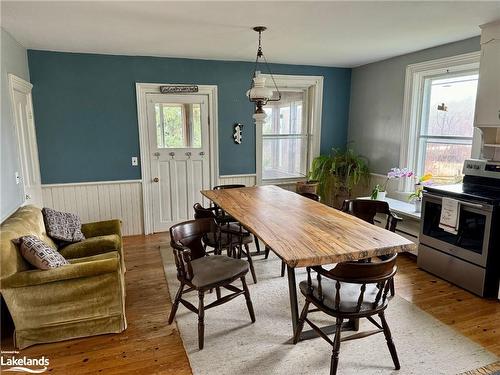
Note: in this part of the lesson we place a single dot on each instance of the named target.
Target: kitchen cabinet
(488, 93)
(487, 114)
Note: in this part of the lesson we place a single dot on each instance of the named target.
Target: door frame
(142, 89)
(31, 158)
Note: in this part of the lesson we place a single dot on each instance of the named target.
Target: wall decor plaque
(180, 89)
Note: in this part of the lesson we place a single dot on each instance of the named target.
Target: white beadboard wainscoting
(244, 179)
(104, 200)
(95, 201)
(249, 180)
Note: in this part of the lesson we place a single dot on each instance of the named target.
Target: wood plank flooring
(150, 346)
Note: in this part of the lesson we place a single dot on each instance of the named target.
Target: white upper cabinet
(488, 94)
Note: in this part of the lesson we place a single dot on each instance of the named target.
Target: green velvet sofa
(84, 298)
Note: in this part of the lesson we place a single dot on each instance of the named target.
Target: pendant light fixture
(258, 92)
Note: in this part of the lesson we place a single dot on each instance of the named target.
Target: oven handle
(461, 202)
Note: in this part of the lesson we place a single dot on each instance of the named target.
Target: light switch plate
(135, 161)
(18, 178)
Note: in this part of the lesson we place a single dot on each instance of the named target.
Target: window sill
(402, 208)
(283, 181)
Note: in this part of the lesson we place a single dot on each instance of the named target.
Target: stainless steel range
(470, 255)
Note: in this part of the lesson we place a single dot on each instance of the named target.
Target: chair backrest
(189, 235)
(366, 209)
(201, 212)
(379, 273)
(314, 197)
(229, 186)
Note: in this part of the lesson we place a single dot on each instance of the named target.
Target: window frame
(413, 106)
(312, 113)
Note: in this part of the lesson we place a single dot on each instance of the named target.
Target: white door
(180, 155)
(20, 92)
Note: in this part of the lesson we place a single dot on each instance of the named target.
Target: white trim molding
(142, 89)
(314, 85)
(412, 101)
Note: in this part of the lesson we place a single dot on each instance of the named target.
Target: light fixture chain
(272, 78)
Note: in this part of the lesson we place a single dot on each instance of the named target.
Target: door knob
(157, 154)
(188, 154)
(156, 179)
(202, 153)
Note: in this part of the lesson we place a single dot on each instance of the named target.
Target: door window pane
(178, 125)
(445, 161)
(284, 157)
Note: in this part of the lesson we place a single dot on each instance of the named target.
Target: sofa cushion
(92, 246)
(27, 220)
(63, 226)
(39, 254)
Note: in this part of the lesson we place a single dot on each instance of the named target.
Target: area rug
(235, 346)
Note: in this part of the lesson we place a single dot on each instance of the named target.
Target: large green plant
(342, 170)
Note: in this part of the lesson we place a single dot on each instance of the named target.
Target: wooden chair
(201, 273)
(350, 290)
(367, 209)
(236, 186)
(233, 237)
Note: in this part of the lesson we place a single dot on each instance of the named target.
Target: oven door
(472, 240)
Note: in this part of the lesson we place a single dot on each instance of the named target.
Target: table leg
(292, 289)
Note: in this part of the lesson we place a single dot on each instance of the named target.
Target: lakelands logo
(10, 362)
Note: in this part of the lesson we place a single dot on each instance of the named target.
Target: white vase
(418, 205)
(381, 195)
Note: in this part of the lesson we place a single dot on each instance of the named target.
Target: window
(284, 138)
(178, 125)
(289, 137)
(438, 118)
(447, 124)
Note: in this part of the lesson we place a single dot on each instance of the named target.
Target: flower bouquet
(379, 192)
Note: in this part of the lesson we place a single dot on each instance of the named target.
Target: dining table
(305, 233)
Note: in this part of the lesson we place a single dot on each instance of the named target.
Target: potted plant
(416, 196)
(379, 192)
(309, 186)
(338, 173)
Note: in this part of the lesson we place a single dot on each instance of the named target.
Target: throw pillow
(62, 226)
(39, 254)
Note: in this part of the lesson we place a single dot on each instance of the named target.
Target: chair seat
(214, 269)
(349, 294)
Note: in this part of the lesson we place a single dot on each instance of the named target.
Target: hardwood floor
(150, 346)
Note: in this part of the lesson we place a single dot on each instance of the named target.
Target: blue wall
(86, 113)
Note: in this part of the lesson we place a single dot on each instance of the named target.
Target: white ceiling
(314, 33)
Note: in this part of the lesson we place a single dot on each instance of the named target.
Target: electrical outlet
(135, 161)
(18, 178)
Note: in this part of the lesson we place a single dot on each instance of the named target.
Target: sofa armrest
(78, 268)
(102, 228)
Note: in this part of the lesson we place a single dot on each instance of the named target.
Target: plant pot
(307, 186)
(418, 205)
(381, 196)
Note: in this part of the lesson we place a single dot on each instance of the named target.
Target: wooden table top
(303, 232)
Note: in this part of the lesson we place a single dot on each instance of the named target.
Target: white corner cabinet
(487, 117)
